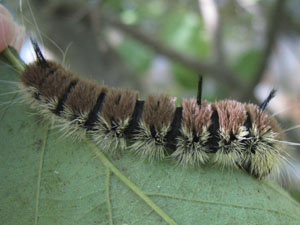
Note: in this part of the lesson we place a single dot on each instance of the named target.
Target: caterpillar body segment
(109, 130)
(151, 139)
(263, 154)
(231, 132)
(227, 132)
(192, 144)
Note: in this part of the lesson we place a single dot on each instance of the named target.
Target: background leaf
(47, 179)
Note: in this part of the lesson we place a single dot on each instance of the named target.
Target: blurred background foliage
(243, 48)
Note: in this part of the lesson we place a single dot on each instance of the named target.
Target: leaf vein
(37, 201)
(7, 107)
(108, 197)
(219, 203)
(130, 184)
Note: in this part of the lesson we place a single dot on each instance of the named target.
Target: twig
(219, 72)
(271, 38)
(218, 43)
(96, 26)
(213, 26)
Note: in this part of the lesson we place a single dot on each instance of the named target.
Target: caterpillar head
(265, 153)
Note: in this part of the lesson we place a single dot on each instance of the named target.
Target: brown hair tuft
(195, 117)
(84, 96)
(158, 111)
(119, 104)
(232, 115)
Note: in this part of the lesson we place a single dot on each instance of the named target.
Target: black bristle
(199, 94)
(175, 129)
(135, 118)
(268, 99)
(93, 115)
(63, 99)
(40, 58)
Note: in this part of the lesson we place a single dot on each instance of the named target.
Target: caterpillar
(226, 132)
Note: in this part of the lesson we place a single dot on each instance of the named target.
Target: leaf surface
(48, 179)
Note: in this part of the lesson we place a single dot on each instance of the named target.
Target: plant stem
(15, 61)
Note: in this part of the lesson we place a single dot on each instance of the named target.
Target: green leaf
(247, 64)
(50, 179)
(135, 54)
(185, 31)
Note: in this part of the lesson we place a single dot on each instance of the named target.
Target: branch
(271, 38)
(218, 71)
(211, 16)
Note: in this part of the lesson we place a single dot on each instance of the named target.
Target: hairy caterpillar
(227, 132)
